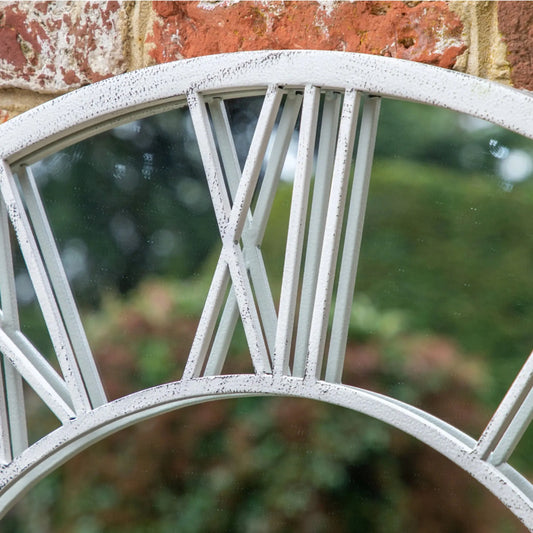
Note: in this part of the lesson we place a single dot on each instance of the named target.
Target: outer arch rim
(57, 447)
(116, 98)
(390, 77)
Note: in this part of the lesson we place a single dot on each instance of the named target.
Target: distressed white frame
(77, 397)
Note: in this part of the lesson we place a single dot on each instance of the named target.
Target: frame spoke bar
(222, 341)
(208, 320)
(14, 427)
(224, 138)
(238, 215)
(237, 219)
(333, 228)
(265, 302)
(296, 231)
(352, 239)
(502, 426)
(317, 220)
(26, 354)
(248, 310)
(27, 351)
(277, 157)
(43, 290)
(253, 233)
(61, 288)
(231, 227)
(37, 360)
(514, 432)
(6, 455)
(221, 206)
(251, 251)
(230, 163)
(210, 161)
(254, 161)
(35, 379)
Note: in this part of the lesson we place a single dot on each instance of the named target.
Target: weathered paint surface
(47, 48)
(56, 46)
(427, 32)
(515, 20)
(216, 75)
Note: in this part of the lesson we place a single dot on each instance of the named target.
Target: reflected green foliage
(129, 202)
(455, 255)
(444, 271)
(269, 465)
(426, 134)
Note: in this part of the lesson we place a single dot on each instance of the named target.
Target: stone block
(51, 47)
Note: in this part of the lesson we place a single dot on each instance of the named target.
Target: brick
(52, 47)
(515, 21)
(419, 31)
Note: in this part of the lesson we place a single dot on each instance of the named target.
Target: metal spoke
(13, 419)
(61, 288)
(326, 273)
(296, 231)
(265, 303)
(248, 310)
(208, 153)
(317, 221)
(37, 360)
(208, 319)
(254, 228)
(6, 455)
(252, 166)
(231, 222)
(43, 290)
(352, 239)
(511, 419)
(254, 232)
(35, 379)
(515, 431)
(222, 340)
(276, 160)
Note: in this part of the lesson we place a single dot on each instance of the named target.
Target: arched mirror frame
(85, 413)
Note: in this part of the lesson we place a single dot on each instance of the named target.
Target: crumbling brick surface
(55, 46)
(47, 48)
(419, 31)
(515, 21)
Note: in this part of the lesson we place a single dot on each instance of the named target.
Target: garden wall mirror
(193, 232)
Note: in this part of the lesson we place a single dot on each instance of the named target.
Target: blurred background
(441, 319)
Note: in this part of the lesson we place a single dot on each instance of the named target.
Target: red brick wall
(516, 25)
(47, 48)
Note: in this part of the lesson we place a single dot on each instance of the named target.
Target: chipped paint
(56, 46)
(353, 73)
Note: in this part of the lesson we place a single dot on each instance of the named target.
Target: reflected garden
(441, 319)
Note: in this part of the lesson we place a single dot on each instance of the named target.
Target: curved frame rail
(76, 396)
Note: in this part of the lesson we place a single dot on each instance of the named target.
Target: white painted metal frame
(240, 286)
